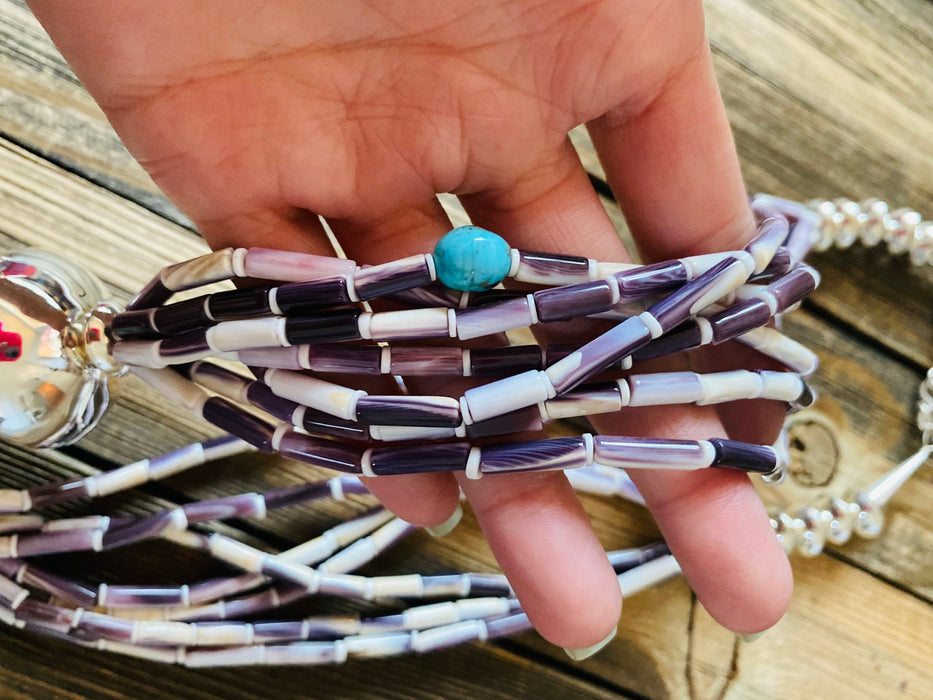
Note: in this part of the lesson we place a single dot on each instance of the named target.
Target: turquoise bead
(472, 259)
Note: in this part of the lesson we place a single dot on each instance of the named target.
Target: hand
(255, 118)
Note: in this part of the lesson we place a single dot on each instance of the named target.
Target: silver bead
(55, 358)
(810, 542)
(921, 244)
(853, 219)
(831, 221)
(790, 530)
(905, 220)
(776, 526)
(925, 405)
(878, 221)
(843, 514)
(870, 520)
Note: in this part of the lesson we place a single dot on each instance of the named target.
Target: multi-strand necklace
(249, 361)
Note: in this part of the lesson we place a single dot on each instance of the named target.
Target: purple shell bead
(745, 456)
(739, 319)
(391, 277)
(236, 421)
(419, 458)
(563, 303)
(422, 411)
(143, 596)
(264, 263)
(793, 287)
(345, 359)
(300, 297)
(651, 279)
(422, 361)
(321, 453)
(536, 455)
(502, 362)
(60, 587)
(51, 494)
(134, 324)
(181, 317)
(324, 327)
(550, 268)
(238, 303)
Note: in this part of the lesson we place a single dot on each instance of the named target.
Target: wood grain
(44, 107)
(829, 99)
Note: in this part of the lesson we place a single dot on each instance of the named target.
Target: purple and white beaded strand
(418, 629)
(693, 284)
(842, 223)
(304, 319)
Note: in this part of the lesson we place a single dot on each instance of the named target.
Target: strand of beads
(297, 326)
(202, 624)
(841, 223)
(304, 320)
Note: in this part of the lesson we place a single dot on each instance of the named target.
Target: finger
(675, 172)
(718, 529)
(674, 169)
(542, 539)
(549, 207)
(423, 499)
(533, 522)
(565, 213)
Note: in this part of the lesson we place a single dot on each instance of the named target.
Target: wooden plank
(845, 632)
(840, 91)
(36, 667)
(43, 104)
(834, 99)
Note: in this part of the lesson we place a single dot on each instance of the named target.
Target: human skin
(256, 118)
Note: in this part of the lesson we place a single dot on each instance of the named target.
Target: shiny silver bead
(810, 542)
(776, 526)
(921, 244)
(843, 514)
(925, 405)
(870, 520)
(790, 530)
(831, 221)
(878, 221)
(852, 221)
(54, 357)
(899, 238)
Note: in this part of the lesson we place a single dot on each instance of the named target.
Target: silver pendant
(54, 358)
(817, 504)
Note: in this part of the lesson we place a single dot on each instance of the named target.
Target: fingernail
(580, 654)
(749, 638)
(448, 525)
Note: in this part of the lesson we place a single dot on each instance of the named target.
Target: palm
(257, 118)
(276, 109)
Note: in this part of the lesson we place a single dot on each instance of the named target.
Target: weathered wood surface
(826, 99)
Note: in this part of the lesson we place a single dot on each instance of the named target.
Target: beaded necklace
(304, 318)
